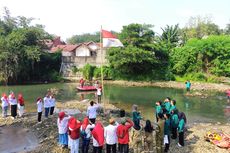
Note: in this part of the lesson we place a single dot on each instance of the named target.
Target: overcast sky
(68, 17)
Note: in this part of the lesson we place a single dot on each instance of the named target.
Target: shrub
(88, 71)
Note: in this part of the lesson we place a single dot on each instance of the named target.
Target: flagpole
(102, 77)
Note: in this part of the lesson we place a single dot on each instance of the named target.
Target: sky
(70, 17)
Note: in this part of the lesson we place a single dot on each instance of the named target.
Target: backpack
(83, 134)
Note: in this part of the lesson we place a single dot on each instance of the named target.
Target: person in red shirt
(21, 105)
(98, 138)
(123, 135)
(74, 134)
(82, 81)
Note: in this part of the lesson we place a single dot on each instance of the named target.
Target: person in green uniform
(174, 123)
(167, 105)
(182, 122)
(167, 132)
(160, 133)
(158, 109)
(173, 106)
(188, 85)
(136, 115)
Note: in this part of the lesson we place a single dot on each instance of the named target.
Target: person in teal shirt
(167, 105)
(174, 123)
(167, 131)
(173, 106)
(158, 109)
(188, 85)
(136, 115)
(181, 126)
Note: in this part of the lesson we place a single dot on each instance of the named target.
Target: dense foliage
(141, 57)
(86, 37)
(21, 56)
(210, 56)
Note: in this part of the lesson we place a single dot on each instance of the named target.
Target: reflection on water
(198, 109)
(15, 139)
(209, 109)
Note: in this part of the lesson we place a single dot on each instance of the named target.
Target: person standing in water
(99, 93)
(228, 95)
(188, 85)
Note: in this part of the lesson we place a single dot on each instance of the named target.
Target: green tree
(88, 71)
(199, 27)
(137, 35)
(210, 55)
(20, 48)
(170, 36)
(87, 37)
(227, 29)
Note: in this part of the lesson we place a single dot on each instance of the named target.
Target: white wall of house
(67, 53)
(93, 46)
(82, 51)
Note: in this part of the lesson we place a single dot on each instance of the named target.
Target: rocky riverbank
(196, 86)
(47, 133)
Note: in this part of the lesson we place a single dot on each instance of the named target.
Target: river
(211, 109)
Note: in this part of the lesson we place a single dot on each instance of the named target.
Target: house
(48, 44)
(79, 55)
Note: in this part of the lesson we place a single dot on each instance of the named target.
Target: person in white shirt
(99, 93)
(39, 109)
(110, 134)
(92, 111)
(86, 128)
(52, 104)
(46, 101)
(62, 123)
(5, 104)
(13, 105)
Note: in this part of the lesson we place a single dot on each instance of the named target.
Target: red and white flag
(109, 40)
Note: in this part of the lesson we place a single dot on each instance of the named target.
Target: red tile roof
(68, 48)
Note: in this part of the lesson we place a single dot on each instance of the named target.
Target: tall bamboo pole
(102, 77)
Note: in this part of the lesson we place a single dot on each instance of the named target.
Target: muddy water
(16, 139)
(211, 109)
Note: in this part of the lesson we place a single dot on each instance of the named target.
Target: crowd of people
(17, 105)
(119, 135)
(123, 133)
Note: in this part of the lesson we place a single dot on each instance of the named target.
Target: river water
(212, 109)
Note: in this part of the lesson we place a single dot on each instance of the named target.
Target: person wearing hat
(74, 134)
(5, 104)
(111, 136)
(123, 135)
(39, 108)
(13, 105)
(62, 123)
